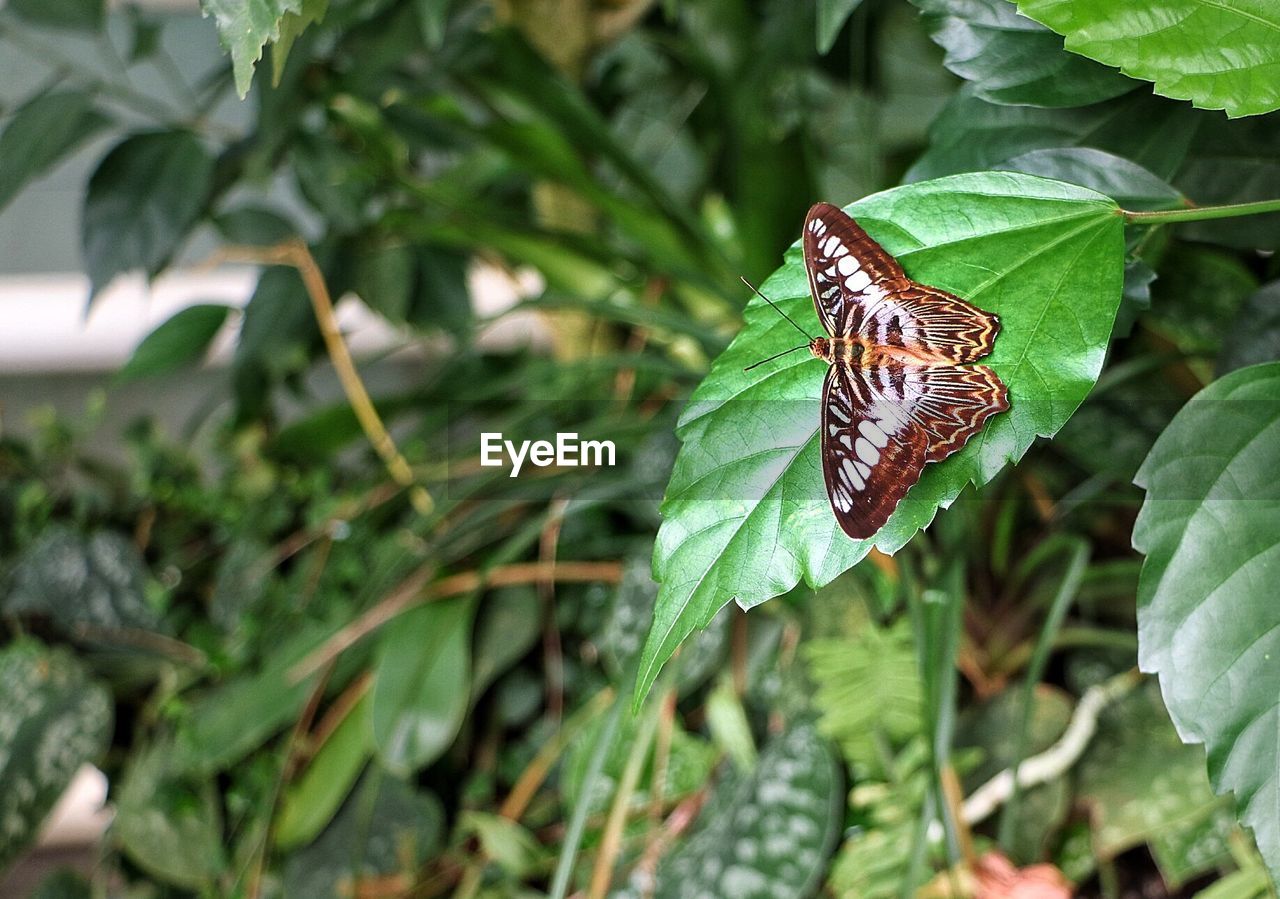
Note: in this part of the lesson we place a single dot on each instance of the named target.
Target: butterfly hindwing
(871, 453)
(848, 271)
(951, 403)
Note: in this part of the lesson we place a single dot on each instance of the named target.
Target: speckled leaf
(170, 827)
(53, 719)
(1217, 55)
(1141, 784)
(1208, 621)
(746, 514)
(79, 581)
(764, 834)
(1011, 59)
(245, 27)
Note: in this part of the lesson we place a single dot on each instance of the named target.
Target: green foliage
(1180, 46)
(1010, 244)
(1208, 530)
(623, 164)
(43, 132)
(55, 718)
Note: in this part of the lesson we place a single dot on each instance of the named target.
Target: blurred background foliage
(302, 681)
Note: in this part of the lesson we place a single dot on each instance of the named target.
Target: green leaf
(1255, 334)
(506, 628)
(64, 883)
(1208, 623)
(1200, 291)
(245, 27)
(75, 581)
(179, 342)
(1129, 184)
(82, 15)
(43, 132)
(1217, 55)
(971, 135)
(1011, 59)
(170, 828)
(385, 829)
(1235, 162)
(141, 201)
(384, 280)
(420, 687)
(1141, 784)
(313, 799)
(746, 515)
(291, 25)
(54, 719)
(764, 833)
(832, 14)
(254, 225)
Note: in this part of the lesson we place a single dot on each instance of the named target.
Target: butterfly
(898, 393)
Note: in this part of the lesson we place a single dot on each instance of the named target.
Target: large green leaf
(1208, 622)
(53, 719)
(1128, 183)
(420, 687)
(142, 200)
(764, 833)
(245, 27)
(1011, 59)
(41, 134)
(1217, 55)
(746, 515)
(310, 803)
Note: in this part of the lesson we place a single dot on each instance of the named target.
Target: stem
(1200, 213)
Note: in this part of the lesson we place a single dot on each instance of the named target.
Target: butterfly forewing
(848, 271)
(902, 399)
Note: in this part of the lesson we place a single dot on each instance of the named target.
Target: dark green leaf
(832, 14)
(42, 133)
(420, 688)
(53, 720)
(83, 15)
(385, 829)
(1129, 184)
(1198, 294)
(506, 628)
(1254, 336)
(746, 515)
(64, 883)
(141, 201)
(76, 581)
(764, 834)
(245, 27)
(1011, 59)
(277, 332)
(385, 279)
(1208, 622)
(971, 135)
(254, 226)
(1217, 55)
(441, 299)
(1235, 162)
(170, 828)
(180, 342)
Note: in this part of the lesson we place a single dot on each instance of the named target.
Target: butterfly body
(899, 392)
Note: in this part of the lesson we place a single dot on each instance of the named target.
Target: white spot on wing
(864, 470)
(872, 432)
(829, 245)
(848, 265)
(866, 452)
(858, 281)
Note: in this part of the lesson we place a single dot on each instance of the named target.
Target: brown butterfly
(895, 396)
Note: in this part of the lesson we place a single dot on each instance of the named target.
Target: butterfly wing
(930, 325)
(871, 452)
(849, 272)
(950, 403)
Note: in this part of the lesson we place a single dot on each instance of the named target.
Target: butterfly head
(821, 348)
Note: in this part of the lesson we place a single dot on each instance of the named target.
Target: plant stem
(1199, 213)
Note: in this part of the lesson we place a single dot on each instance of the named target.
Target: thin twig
(414, 591)
(297, 255)
(553, 654)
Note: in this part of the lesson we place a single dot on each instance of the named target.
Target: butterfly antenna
(776, 355)
(780, 312)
